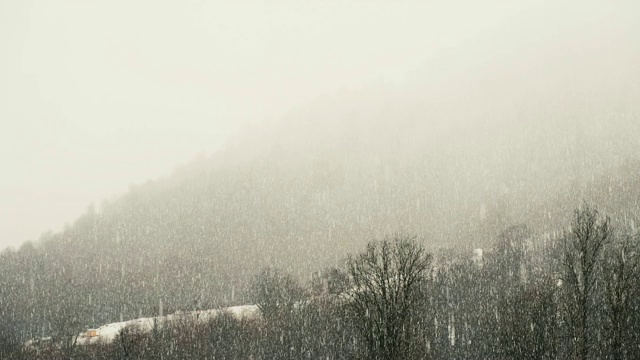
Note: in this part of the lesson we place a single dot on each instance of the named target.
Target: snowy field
(107, 333)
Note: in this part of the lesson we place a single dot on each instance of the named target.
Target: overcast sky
(98, 95)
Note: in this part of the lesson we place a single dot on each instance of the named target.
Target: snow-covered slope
(107, 333)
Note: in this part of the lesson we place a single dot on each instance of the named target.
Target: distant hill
(300, 192)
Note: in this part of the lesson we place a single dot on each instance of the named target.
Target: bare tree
(582, 254)
(66, 331)
(386, 281)
(275, 293)
(510, 249)
(621, 287)
(128, 339)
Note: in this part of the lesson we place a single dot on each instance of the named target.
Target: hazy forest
(375, 180)
(345, 258)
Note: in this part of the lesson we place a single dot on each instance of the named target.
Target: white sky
(97, 95)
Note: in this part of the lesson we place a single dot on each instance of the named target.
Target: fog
(95, 96)
(319, 179)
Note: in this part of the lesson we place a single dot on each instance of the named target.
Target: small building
(92, 333)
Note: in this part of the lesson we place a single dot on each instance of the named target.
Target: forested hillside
(304, 191)
(301, 191)
(528, 297)
(381, 180)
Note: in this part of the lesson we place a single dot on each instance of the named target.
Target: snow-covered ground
(106, 334)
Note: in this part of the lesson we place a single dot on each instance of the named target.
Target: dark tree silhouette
(621, 287)
(386, 278)
(275, 293)
(582, 255)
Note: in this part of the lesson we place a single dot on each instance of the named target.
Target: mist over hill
(454, 154)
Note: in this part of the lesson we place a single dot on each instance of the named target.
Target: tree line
(572, 296)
